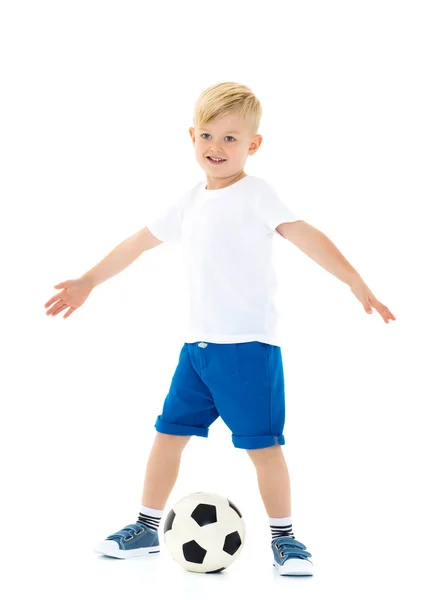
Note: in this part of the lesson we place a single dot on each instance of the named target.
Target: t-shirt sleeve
(272, 210)
(167, 225)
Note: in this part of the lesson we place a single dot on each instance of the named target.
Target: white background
(96, 102)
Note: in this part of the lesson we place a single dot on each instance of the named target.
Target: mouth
(216, 162)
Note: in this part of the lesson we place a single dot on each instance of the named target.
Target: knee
(265, 455)
(171, 443)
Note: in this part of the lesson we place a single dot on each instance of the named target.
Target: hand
(368, 299)
(72, 296)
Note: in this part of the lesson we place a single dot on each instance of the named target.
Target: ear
(192, 134)
(255, 144)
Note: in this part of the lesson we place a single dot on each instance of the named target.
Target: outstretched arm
(321, 249)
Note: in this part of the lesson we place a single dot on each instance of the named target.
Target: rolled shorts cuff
(177, 429)
(254, 442)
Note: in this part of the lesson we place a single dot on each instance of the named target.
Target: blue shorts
(242, 383)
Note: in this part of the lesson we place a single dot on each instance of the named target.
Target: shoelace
(291, 548)
(127, 531)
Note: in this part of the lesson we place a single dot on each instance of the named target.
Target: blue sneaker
(133, 540)
(290, 557)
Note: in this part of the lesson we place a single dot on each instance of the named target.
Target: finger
(381, 310)
(384, 311)
(52, 300)
(54, 306)
(64, 284)
(59, 309)
(54, 309)
(69, 312)
(388, 313)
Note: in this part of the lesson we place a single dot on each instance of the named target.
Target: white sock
(281, 527)
(150, 517)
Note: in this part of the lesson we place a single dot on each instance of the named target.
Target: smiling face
(229, 138)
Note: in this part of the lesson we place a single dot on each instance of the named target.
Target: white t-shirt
(226, 236)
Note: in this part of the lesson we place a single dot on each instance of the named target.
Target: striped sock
(150, 517)
(281, 527)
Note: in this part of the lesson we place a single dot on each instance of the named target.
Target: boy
(231, 363)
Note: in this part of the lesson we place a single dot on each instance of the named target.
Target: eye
(228, 136)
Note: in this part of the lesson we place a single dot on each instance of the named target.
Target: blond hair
(228, 97)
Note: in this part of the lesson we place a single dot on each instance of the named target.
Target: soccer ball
(204, 532)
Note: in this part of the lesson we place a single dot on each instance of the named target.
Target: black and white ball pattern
(204, 532)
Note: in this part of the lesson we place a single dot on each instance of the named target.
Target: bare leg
(273, 479)
(162, 469)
